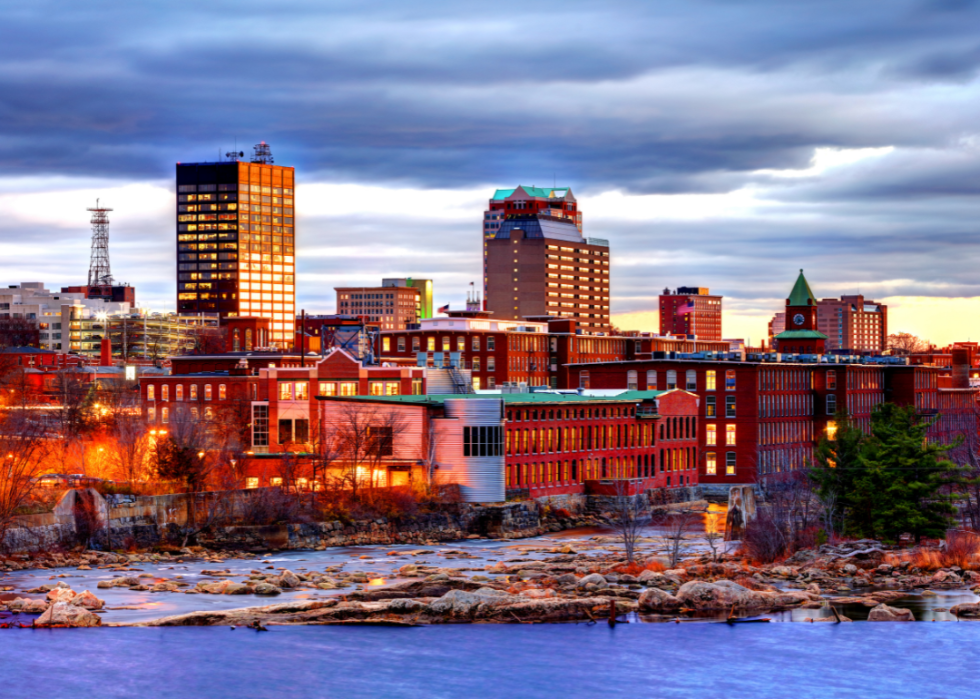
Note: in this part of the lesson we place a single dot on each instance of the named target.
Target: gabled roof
(801, 295)
(538, 192)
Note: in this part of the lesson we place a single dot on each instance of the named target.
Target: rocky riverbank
(570, 584)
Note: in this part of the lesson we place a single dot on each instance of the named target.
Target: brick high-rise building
(690, 310)
(540, 265)
(390, 307)
(236, 253)
(853, 323)
(558, 202)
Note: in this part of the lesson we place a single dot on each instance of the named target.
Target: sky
(719, 144)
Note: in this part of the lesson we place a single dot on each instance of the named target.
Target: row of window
(179, 392)
(430, 344)
(618, 467)
(151, 414)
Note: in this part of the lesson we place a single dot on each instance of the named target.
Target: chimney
(105, 352)
(961, 367)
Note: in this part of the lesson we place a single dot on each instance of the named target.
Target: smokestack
(961, 367)
(105, 352)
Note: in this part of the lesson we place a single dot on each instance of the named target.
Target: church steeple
(801, 335)
(801, 295)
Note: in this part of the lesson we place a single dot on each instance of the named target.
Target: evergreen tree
(838, 467)
(904, 476)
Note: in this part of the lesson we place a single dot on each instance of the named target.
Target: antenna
(262, 154)
(99, 273)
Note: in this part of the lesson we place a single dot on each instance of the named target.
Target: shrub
(656, 565)
(764, 541)
(927, 559)
(961, 550)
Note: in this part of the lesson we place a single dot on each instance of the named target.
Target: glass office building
(236, 242)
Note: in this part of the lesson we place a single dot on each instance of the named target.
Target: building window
(630, 380)
(251, 483)
(730, 463)
(415, 344)
(328, 389)
(652, 380)
(476, 383)
(348, 388)
(401, 344)
(831, 404)
(164, 415)
(392, 388)
(491, 381)
(831, 380)
(416, 387)
(476, 363)
(460, 344)
(491, 363)
(430, 344)
(691, 383)
(179, 392)
(709, 406)
(476, 343)
(285, 391)
(386, 344)
(491, 344)
(730, 435)
(710, 435)
(248, 339)
(193, 391)
(710, 379)
(222, 391)
(583, 379)
(730, 380)
(236, 344)
(275, 482)
(671, 380)
(483, 441)
(151, 392)
(151, 414)
(207, 391)
(376, 388)
(445, 344)
(729, 406)
(165, 392)
(710, 464)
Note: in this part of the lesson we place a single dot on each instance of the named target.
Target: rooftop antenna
(99, 273)
(262, 154)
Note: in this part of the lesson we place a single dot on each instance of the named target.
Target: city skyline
(843, 144)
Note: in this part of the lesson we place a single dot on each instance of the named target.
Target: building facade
(390, 307)
(853, 324)
(425, 287)
(690, 311)
(236, 242)
(540, 265)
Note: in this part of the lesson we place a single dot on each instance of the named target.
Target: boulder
(118, 582)
(723, 594)
(593, 579)
(850, 569)
(61, 594)
(460, 603)
(538, 593)
(27, 606)
(967, 611)
(409, 570)
(288, 580)
(64, 614)
(565, 579)
(655, 600)
(165, 587)
(86, 600)
(267, 589)
(885, 613)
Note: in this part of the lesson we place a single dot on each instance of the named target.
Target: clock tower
(801, 335)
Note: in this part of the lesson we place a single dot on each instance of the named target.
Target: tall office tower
(853, 323)
(690, 310)
(236, 241)
(558, 202)
(540, 265)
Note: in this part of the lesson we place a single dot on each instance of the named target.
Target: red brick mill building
(766, 416)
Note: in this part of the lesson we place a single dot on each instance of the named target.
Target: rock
(654, 600)
(650, 577)
(267, 589)
(565, 579)
(884, 569)
(967, 611)
(409, 570)
(459, 603)
(61, 594)
(723, 594)
(405, 606)
(945, 576)
(64, 614)
(326, 585)
(850, 569)
(118, 582)
(165, 587)
(288, 580)
(538, 593)
(784, 572)
(885, 613)
(593, 579)
(86, 600)
(27, 606)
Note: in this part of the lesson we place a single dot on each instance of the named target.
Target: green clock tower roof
(801, 295)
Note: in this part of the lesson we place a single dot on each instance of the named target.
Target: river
(512, 661)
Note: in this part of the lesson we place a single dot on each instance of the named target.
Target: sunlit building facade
(236, 242)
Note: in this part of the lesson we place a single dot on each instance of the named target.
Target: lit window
(285, 391)
(709, 406)
(179, 391)
(251, 482)
(302, 390)
(730, 463)
(831, 380)
(710, 463)
(207, 391)
(445, 344)
(275, 481)
(730, 380)
(392, 388)
(328, 389)
(150, 395)
(151, 414)
(652, 380)
(348, 388)
(164, 415)
(476, 383)
(710, 380)
(376, 388)
(710, 435)
(165, 392)
(222, 391)
(193, 391)
(730, 435)
(430, 344)
(386, 344)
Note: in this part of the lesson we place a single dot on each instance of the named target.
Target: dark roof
(801, 295)
(513, 398)
(25, 350)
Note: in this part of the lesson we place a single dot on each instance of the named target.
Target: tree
(906, 343)
(23, 449)
(205, 339)
(19, 332)
(365, 438)
(838, 466)
(629, 514)
(674, 527)
(910, 473)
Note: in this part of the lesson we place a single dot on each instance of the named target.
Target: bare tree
(19, 332)
(205, 339)
(365, 436)
(23, 449)
(906, 343)
(129, 448)
(629, 514)
(675, 527)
